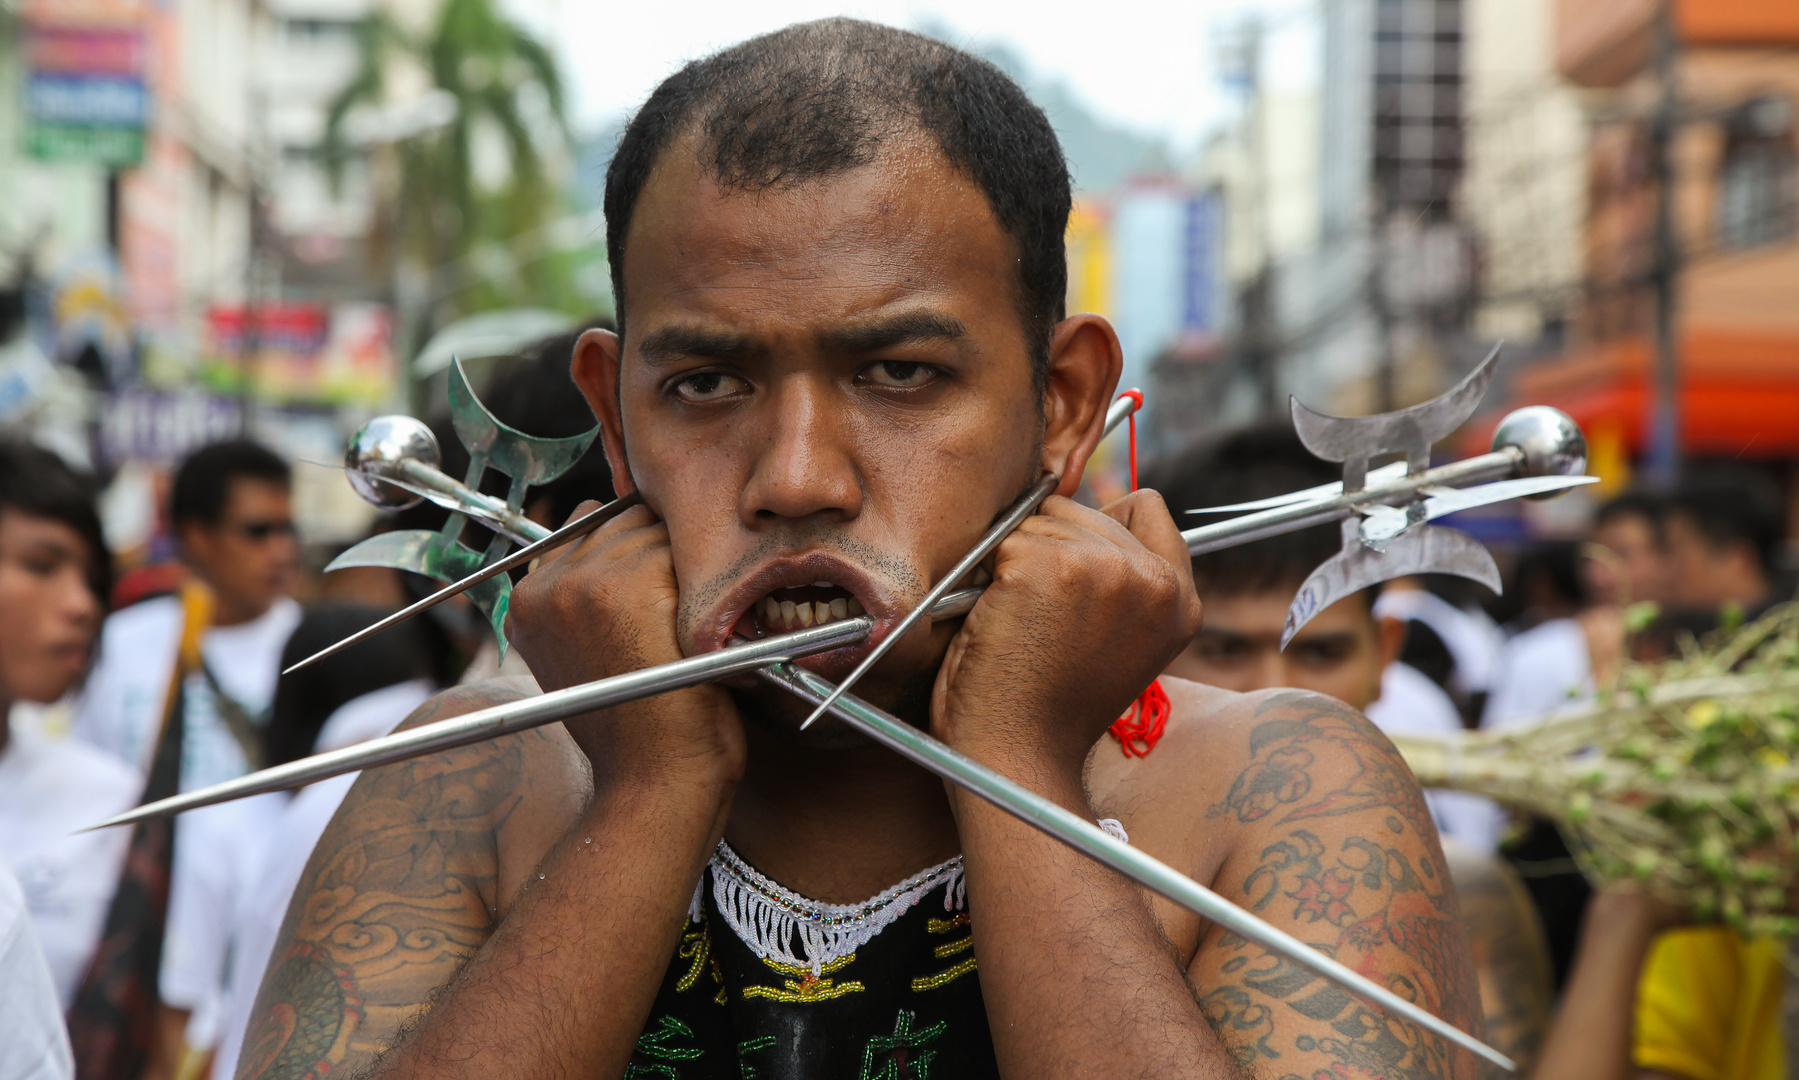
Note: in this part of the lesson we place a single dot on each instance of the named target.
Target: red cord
(1137, 396)
(1138, 731)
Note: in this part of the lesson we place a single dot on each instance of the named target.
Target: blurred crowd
(1638, 991)
(149, 942)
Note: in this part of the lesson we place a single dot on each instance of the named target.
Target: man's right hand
(605, 606)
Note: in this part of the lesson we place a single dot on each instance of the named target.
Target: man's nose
(1271, 668)
(805, 465)
(78, 603)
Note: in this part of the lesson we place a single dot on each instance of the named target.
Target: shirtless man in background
(842, 351)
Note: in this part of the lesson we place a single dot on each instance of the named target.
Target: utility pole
(1664, 420)
(1256, 301)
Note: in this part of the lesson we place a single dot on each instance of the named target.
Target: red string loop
(1137, 396)
(1138, 730)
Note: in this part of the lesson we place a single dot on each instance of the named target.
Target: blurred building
(1735, 193)
(174, 265)
(1421, 202)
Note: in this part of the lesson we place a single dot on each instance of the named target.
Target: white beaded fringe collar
(780, 925)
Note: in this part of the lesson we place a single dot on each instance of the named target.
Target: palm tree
(477, 191)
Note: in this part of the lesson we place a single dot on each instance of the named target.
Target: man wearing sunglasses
(231, 512)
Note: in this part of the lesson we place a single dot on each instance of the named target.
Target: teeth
(787, 614)
(822, 584)
(854, 606)
(771, 612)
(805, 613)
(840, 608)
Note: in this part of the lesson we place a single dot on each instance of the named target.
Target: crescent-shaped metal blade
(1409, 431)
(1423, 549)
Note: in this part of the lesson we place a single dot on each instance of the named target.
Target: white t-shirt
(48, 789)
(121, 709)
(34, 1045)
(281, 858)
(1473, 641)
(217, 851)
(1410, 703)
(1544, 671)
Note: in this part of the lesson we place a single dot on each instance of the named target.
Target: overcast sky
(1149, 65)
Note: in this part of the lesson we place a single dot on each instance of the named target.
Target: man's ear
(1084, 363)
(1391, 638)
(595, 369)
(193, 540)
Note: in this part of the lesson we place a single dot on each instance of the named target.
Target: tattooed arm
(1334, 846)
(403, 887)
(1511, 958)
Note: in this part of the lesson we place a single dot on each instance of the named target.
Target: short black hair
(34, 481)
(1732, 508)
(1647, 505)
(1242, 465)
(203, 482)
(817, 99)
(305, 699)
(538, 396)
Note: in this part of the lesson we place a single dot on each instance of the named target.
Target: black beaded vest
(768, 985)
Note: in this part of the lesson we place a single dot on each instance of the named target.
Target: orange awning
(1739, 394)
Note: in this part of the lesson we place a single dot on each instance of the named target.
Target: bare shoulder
(1230, 757)
(406, 884)
(1296, 808)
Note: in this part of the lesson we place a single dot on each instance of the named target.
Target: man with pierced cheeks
(838, 256)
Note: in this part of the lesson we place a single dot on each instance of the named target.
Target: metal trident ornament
(1384, 511)
(393, 462)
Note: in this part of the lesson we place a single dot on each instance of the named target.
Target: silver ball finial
(378, 448)
(1552, 442)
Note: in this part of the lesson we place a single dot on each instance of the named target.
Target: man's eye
(1322, 653)
(1222, 650)
(708, 386)
(899, 373)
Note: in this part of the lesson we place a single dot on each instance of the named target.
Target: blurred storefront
(1736, 220)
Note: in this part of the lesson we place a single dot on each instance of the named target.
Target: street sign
(85, 98)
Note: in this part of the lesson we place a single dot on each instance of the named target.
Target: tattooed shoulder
(1312, 756)
(400, 891)
(1335, 846)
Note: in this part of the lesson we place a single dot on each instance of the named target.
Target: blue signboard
(88, 101)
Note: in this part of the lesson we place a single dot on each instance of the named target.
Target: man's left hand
(1085, 609)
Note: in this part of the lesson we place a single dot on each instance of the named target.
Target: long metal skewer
(1026, 505)
(1088, 839)
(579, 527)
(775, 665)
(726, 662)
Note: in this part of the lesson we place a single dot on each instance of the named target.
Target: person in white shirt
(232, 887)
(53, 580)
(231, 510)
(285, 849)
(33, 1043)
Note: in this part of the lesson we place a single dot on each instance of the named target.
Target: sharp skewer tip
(579, 527)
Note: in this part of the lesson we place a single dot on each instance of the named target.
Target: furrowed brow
(898, 330)
(672, 344)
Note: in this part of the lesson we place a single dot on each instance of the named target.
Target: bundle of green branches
(1684, 778)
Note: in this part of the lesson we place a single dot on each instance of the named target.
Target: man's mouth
(800, 606)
